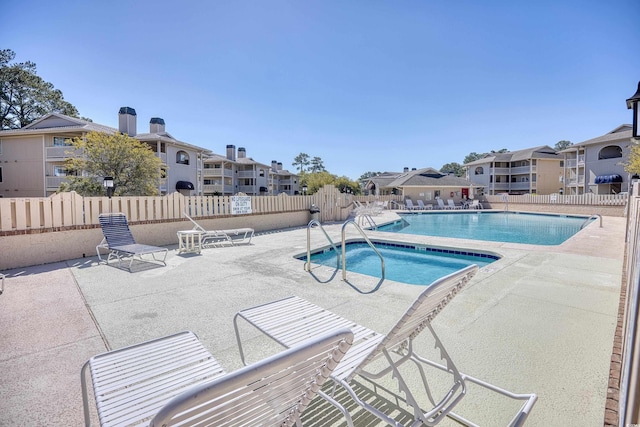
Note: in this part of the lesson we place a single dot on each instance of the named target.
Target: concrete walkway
(540, 320)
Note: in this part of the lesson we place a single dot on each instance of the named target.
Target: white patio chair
(232, 235)
(175, 381)
(452, 205)
(292, 320)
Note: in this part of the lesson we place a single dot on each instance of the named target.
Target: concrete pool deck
(541, 319)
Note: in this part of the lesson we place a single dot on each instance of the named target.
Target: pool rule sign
(240, 205)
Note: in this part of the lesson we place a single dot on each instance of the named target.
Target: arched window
(479, 170)
(182, 157)
(610, 152)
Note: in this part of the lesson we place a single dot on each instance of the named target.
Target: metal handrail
(344, 253)
(307, 265)
(368, 218)
(594, 216)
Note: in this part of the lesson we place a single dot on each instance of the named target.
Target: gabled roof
(57, 122)
(621, 133)
(166, 137)
(425, 177)
(540, 152)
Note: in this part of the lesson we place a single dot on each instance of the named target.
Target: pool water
(512, 227)
(403, 263)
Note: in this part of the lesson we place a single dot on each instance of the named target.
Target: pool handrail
(594, 216)
(344, 254)
(368, 218)
(312, 223)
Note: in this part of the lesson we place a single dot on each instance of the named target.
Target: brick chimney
(127, 121)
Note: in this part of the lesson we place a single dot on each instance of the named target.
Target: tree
(301, 160)
(561, 145)
(633, 163)
(368, 175)
(317, 165)
(24, 96)
(472, 157)
(316, 180)
(133, 166)
(456, 168)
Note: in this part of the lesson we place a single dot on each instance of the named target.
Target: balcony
(57, 153)
(246, 174)
(212, 172)
(500, 171)
(162, 156)
(53, 182)
(522, 170)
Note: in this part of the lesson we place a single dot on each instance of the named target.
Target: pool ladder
(594, 216)
(342, 256)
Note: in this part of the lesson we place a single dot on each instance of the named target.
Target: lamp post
(304, 190)
(107, 183)
(632, 103)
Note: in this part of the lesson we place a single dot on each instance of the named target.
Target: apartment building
(536, 170)
(32, 159)
(597, 165)
(238, 173)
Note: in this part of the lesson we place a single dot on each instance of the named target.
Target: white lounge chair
(175, 381)
(452, 205)
(422, 206)
(441, 204)
(120, 243)
(409, 205)
(292, 320)
(231, 235)
(475, 204)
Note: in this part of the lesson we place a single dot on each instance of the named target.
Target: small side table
(189, 241)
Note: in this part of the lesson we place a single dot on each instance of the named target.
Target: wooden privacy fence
(69, 210)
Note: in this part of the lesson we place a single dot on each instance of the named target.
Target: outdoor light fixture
(632, 103)
(107, 183)
(304, 190)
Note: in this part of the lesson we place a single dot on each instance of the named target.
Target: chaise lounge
(120, 243)
(174, 380)
(231, 236)
(292, 320)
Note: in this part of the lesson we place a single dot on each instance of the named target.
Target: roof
(425, 177)
(621, 133)
(166, 137)
(540, 152)
(57, 122)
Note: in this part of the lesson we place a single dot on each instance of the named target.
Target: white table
(189, 241)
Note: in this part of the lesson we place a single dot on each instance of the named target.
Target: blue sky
(364, 85)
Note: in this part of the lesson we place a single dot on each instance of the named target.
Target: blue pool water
(403, 262)
(513, 227)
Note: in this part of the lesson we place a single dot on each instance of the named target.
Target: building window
(182, 157)
(60, 141)
(610, 152)
(261, 172)
(479, 171)
(59, 171)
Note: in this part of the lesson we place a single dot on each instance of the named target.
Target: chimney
(406, 169)
(231, 152)
(413, 169)
(274, 165)
(127, 121)
(279, 166)
(156, 125)
(242, 153)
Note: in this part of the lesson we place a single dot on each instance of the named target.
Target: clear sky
(365, 85)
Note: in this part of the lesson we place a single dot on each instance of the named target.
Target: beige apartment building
(238, 173)
(536, 170)
(32, 158)
(597, 165)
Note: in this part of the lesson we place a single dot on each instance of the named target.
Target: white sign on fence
(240, 205)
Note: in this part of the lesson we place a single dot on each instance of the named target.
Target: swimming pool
(513, 227)
(406, 263)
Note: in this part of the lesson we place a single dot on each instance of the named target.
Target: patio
(539, 320)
